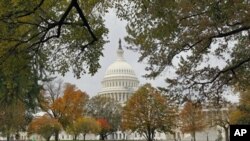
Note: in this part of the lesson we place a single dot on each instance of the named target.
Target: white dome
(119, 68)
(120, 80)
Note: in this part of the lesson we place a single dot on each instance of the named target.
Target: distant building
(119, 83)
(120, 80)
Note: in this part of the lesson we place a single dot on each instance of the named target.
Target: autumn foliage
(104, 128)
(65, 104)
(147, 111)
(44, 126)
(108, 112)
(241, 114)
(83, 125)
(192, 118)
(70, 106)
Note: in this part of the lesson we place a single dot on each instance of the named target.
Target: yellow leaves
(241, 113)
(147, 108)
(192, 118)
(71, 105)
(83, 125)
(234, 116)
(44, 126)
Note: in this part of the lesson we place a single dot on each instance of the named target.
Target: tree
(206, 43)
(12, 119)
(192, 118)
(83, 125)
(57, 35)
(219, 116)
(63, 102)
(241, 113)
(70, 106)
(44, 126)
(51, 91)
(147, 111)
(42, 37)
(108, 110)
(104, 128)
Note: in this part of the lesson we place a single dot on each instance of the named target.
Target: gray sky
(92, 84)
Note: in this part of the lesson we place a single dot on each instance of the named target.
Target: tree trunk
(150, 136)
(75, 137)
(102, 137)
(226, 134)
(193, 134)
(8, 136)
(84, 137)
(48, 138)
(56, 135)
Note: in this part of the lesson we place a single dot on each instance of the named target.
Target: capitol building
(120, 82)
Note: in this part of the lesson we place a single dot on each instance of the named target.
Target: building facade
(120, 80)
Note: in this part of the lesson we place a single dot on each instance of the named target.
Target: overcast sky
(92, 84)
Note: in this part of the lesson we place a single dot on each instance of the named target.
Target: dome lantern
(120, 52)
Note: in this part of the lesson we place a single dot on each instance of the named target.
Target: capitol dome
(120, 80)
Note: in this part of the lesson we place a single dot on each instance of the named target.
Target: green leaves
(203, 33)
(56, 34)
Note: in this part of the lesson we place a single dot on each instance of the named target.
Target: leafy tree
(89, 125)
(52, 90)
(205, 42)
(104, 128)
(70, 106)
(40, 37)
(58, 35)
(219, 115)
(12, 119)
(147, 111)
(63, 102)
(192, 118)
(44, 126)
(106, 109)
(241, 113)
(83, 125)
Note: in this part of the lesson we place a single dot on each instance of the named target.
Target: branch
(232, 69)
(80, 12)
(33, 11)
(231, 32)
(43, 33)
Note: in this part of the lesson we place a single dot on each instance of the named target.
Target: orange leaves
(44, 126)
(71, 105)
(83, 125)
(241, 114)
(192, 118)
(103, 123)
(147, 111)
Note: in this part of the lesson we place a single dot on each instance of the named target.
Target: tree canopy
(56, 35)
(107, 111)
(70, 106)
(192, 118)
(206, 43)
(43, 37)
(44, 126)
(241, 113)
(147, 111)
